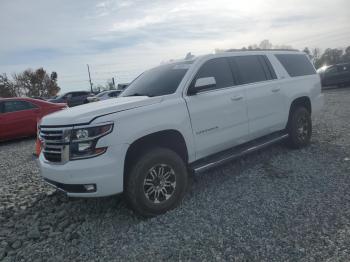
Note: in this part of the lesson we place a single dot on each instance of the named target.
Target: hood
(83, 114)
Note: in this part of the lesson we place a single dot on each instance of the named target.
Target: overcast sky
(122, 38)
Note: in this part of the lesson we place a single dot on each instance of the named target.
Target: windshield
(322, 69)
(162, 80)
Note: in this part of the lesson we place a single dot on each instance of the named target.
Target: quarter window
(331, 70)
(296, 64)
(218, 68)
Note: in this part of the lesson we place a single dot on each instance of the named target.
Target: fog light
(90, 188)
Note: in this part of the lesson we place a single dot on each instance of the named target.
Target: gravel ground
(275, 205)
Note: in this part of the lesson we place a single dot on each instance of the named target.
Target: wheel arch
(304, 101)
(170, 138)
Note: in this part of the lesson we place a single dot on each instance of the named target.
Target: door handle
(236, 98)
(275, 89)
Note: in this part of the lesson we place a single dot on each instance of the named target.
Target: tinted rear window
(296, 64)
(250, 69)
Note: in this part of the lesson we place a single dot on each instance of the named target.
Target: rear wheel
(157, 182)
(299, 128)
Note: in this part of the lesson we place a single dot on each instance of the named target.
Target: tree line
(330, 56)
(29, 83)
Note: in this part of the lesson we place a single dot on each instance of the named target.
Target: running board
(217, 159)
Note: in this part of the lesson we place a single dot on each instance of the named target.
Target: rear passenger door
(218, 115)
(265, 99)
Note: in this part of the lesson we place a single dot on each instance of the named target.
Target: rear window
(296, 64)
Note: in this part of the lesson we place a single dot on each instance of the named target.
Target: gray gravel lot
(275, 205)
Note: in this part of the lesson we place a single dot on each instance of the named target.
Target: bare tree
(6, 87)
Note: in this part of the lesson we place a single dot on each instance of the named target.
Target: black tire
(141, 173)
(299, 128)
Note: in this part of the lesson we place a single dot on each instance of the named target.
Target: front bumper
(105, 172)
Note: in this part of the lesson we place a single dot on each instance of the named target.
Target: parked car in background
(72, 98)
(122, 86)
(38, 97)
(178, 118)
(19, 116)
(104, 95)
(335, 75)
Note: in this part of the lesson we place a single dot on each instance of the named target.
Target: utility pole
(89, 78)
(113, 82)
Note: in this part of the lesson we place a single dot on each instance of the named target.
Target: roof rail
(244, 50)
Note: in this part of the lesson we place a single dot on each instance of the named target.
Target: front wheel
(157, 182)
(299, 128)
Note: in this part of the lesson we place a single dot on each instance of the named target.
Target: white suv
(176, 119)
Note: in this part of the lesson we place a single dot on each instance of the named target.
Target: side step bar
(217, 159)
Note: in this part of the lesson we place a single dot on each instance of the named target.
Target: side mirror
(201, 84)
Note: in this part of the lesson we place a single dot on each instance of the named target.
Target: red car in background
(19, 116)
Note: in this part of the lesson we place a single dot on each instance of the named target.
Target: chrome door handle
(236, 98)
(275, 89)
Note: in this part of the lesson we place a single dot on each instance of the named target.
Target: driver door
(218, 115)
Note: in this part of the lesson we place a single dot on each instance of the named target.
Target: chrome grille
(54, 143)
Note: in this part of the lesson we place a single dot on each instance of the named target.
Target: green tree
(36, 83)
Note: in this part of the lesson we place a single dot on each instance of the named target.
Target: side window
(13, 106)
(296, 64)
(9, 106)
(218, 68)
(113, 94)
(331, 70)
(1, 107)
(250, 69)
(76, 94)
(68, 96)
(24, 105)
(343, 68)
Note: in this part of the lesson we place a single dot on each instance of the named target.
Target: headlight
(84, 140)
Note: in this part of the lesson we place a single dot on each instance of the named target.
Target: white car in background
(104, 95)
